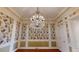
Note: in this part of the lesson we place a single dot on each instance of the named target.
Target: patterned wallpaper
(52, 31)
(6, 25)
(39, 33)
(17, 30)
(23, 33)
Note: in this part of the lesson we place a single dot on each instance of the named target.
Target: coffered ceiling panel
(47, 12)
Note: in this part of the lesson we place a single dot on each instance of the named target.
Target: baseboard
(38, 50)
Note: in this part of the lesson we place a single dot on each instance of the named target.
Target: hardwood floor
(37, 50)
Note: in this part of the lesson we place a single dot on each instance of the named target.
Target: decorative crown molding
(62, 12)
(14, 12)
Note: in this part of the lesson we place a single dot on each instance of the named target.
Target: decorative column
(49, 30)
(27, 36)
(13, 37)
(20, 32)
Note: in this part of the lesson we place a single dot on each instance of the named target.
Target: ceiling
(47, 12)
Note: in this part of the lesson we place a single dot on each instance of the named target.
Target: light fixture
(37, 20)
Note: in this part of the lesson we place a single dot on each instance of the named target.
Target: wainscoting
(38, 50)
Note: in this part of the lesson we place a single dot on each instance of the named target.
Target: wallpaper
(23, 33)
(17, 30)
(6, 25)
(39, 34)
(52, 31)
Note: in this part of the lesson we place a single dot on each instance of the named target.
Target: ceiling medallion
(37, 20)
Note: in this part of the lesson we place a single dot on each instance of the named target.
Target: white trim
(38, 40)
(19, 35)
(27, 36)
(49, 30)
(38, 48)
(63, 11)
(13, 11)
(13, 36)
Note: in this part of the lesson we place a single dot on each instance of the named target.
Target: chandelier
(37, 20)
